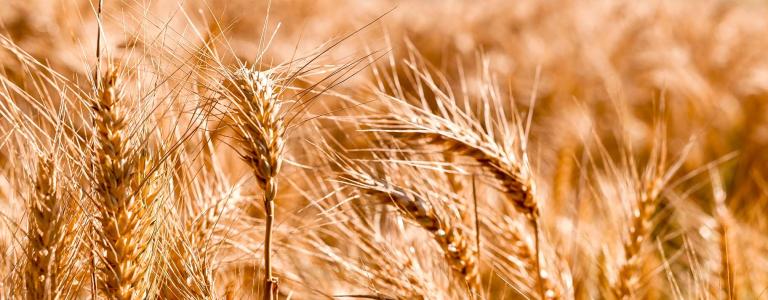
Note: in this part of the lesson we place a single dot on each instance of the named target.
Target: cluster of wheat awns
(184, 163)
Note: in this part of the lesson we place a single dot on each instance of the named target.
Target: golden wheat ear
(45, 234)
(494, 142)
(53, 268)
(457, 247)
(124, 193)
(260, 127)
(188, 274)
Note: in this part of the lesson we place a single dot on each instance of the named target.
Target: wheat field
(343, 149)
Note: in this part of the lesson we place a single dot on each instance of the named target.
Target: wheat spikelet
(260, 127)
(188, 269)
(124, 198)
(402, 275)
(451, 137)
(507, 240)
(190, 273)
(645, 195)
(435, 118)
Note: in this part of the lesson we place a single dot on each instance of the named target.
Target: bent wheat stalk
(261, 130)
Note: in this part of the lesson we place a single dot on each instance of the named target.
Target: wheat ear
(628, 277)
(189, 276)
(511, 171)
(47, 236)
(648, 189)
(261, 130)
(508, 240)
(456, 246)
(515, 184)
(124, 198)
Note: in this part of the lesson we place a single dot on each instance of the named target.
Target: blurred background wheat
(297, 149)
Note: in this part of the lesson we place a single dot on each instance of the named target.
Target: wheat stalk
(725, 273)
(260, 127)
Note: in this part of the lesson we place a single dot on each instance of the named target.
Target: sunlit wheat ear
(645, 195)
(455, 244)
(125, 193)
(629, 272)
(459, 133)
(48, 235)
(261, 130)
(508, 168)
